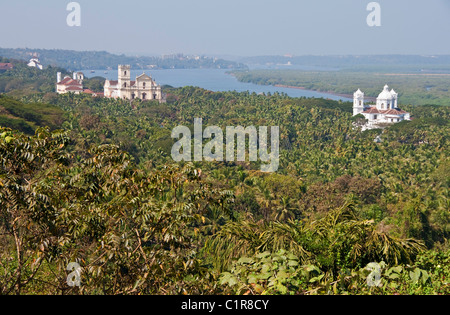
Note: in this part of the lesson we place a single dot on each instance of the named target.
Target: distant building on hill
(70, 85)
(144, 87)
(35, 63)
(385, 111)
(6, 66)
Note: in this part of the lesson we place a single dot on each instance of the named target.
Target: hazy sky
(231, 27)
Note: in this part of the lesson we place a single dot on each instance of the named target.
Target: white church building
(144, 87)
(385, 111)
(70, 85)
(35, 63)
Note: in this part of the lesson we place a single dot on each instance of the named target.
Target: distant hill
(378, 63)
(93, 60)
(26, 117)
(24, 80)
(28, 79)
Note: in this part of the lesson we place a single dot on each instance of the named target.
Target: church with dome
(385, 111)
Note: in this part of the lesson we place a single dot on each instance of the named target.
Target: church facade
(385, 111)
(70, 85)
(144, 87)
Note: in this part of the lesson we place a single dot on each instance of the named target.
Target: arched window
(125, 85)
(143, 85)
(125, 73)
(144, 96)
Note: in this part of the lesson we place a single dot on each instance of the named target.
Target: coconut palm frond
(391, 249)
(333, 217)
(234, 240)
(288, 236)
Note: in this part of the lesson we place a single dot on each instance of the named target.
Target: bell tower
(358, 102)
(124, 76)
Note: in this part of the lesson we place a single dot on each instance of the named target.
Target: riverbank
(350, 96)
(345, 97)
(414, 89)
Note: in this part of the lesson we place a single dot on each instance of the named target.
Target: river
(216, 80)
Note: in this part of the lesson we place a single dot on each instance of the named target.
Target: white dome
(385, 95)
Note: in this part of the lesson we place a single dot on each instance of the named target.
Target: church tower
(124, 76)
(358, 102)
(395, 96)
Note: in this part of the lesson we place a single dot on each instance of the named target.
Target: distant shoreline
(350, 96)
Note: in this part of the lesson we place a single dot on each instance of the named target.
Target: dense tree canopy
(103, 191)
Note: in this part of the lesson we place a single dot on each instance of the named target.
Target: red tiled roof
(6, 66)
(394, 112)
(74, 88)
(95, 94)
(69, 82)
(65, 80)
(372, 110)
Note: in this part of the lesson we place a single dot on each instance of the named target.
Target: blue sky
(231, 27)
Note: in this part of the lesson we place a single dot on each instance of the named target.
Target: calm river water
(216, 80)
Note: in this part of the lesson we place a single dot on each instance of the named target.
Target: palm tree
(284, 211)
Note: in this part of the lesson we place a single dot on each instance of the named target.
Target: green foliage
(24, 80)
(17, 124)
(281, 274)
(131, 231)
(105, 193)
(335, 242)
(269, 274)
(26, 117)
(95, 84)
